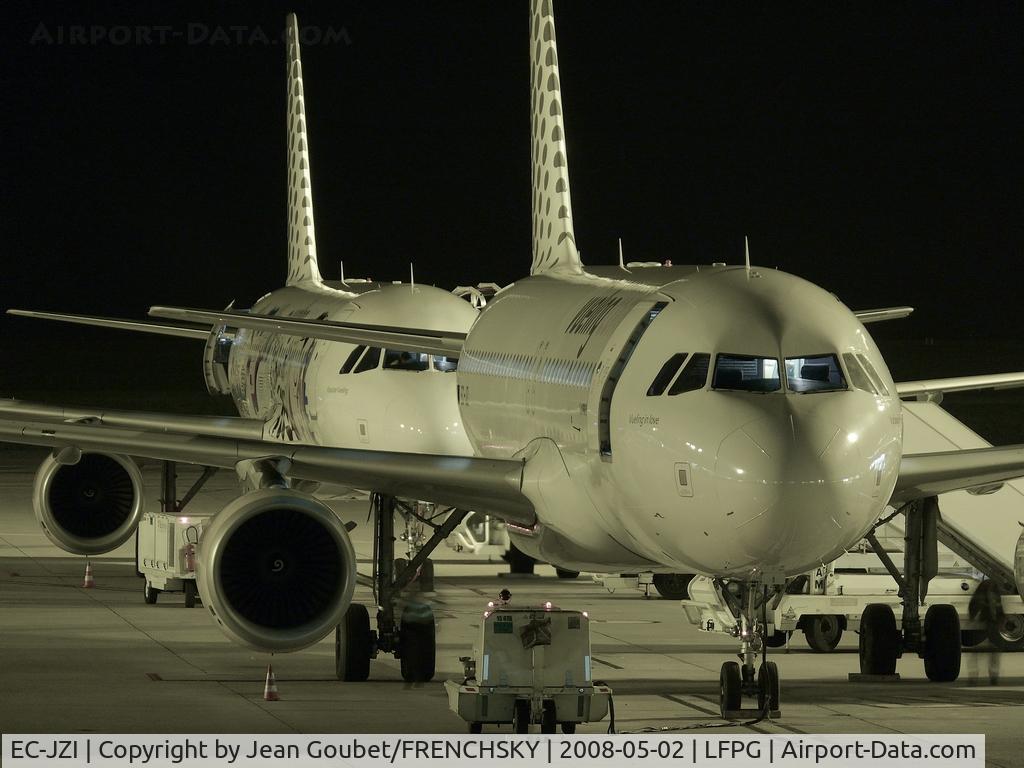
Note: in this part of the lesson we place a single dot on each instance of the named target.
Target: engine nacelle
(91, 506)
(277, 570)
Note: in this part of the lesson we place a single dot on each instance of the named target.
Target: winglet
(746, 253)
(554, 244)
(302, 263)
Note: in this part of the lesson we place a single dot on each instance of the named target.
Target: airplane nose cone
(787, 488)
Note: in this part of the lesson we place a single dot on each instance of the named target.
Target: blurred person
(986, 607)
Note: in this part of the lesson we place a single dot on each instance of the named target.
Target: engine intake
(89, 507)
(277, 570)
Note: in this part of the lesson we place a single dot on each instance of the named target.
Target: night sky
(873, 148)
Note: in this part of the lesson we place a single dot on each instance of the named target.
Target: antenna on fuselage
(746, 253)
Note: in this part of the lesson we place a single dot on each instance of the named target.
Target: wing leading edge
(931, 474)
(959, 384)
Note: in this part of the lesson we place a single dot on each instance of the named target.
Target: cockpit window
(694, 375)
(814, 373)
(445, 363)
(882, 389)
(858, 376)
(747, 373)
(370, 360)
(351, 360)
(668, 370)
(395, 360)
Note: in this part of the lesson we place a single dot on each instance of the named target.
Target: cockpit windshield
(747, 373)
(814, 373)
(400, 360)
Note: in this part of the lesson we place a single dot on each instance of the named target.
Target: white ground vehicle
(166, 554)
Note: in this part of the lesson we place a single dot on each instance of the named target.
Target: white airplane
(737, 422)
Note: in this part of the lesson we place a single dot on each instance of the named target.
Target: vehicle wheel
(942, 644)
(566, 574)
(673, 586)
(972, 637)
(823, 633)
(729, 698)
(880, 641)
(768, 686)
(353, 645)
(476, 727)
(149, 594)
(777, 639)
(518, 562)
(569, 727)
(521, 716)
(1008, 633)
(548, 723)
(417, 643)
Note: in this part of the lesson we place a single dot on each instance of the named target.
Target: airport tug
(532, 665)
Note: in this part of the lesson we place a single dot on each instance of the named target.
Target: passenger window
(817, 373)
(694, 375)
(370, 360)
(858, 376)
(446, 363)
(875, 378)
(747, 373)
(351, 361)
(668, 370)
(405, 361)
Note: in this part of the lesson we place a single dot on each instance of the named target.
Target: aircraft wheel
(1008, 633)
(777, 639)
(518, 561)
(673, 586)
(565, 574)
(880, 641)
(476, 727)
(353, 645)
(149, 594)
(942, 644)
(417, 643)
(972, 637)
(569, 727)
(768, 686)
(190, 593)
(548, 724)
(731, 691)
(521, 716)
(823, 633)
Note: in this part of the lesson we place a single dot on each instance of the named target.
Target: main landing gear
(938, 639)
(405, 627)
(749, 677)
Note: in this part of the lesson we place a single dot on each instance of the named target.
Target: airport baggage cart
(532, 665)
(166, 554)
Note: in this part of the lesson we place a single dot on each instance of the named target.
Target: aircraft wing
(929, 474)
(878, 315)
(960, 384)
(162, 329)
(489, 485)
(405, 339)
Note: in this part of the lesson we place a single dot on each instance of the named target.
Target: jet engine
(89, 506)
(277, 570)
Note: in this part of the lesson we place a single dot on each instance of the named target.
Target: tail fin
(554, 245)
(302, 264)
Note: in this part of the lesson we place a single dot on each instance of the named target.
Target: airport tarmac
(100, 660)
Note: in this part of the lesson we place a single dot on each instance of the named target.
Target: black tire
(521, 716)
(673, 586)
(1007, 634)
(942, 644)
(823, 632)
(562, 573)
(417, 643)
(880, 641)
(969, 638)
(548, 721)
(777, 639)
(353, 645)
(190, 593)
(518, 562)
(476, 727)
(768, 686)
(569, 727)
(149, 594)
(730, 691)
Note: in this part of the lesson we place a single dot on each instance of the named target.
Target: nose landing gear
(748, 678)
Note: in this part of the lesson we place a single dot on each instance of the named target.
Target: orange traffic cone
(270, 689)
(87, 582)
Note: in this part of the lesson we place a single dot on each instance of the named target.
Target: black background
(873, 148)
